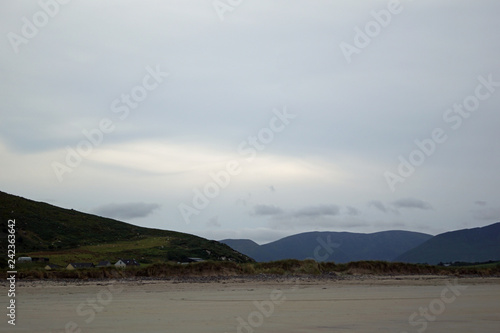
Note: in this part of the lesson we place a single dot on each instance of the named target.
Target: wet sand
(366, 304)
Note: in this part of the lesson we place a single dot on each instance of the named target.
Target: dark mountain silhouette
(467, 245)
(339, 247)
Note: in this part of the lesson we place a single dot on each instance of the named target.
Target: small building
(24, 259)
(191, 259)
(122, 263)
(79, 265)
(50, 267)
(104, 263)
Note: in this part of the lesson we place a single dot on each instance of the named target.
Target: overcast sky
(255, 119)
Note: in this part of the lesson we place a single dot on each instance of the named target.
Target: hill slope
(340, 247)
(46, 230)
(468, 245)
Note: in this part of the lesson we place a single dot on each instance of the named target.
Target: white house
(24, 259)
(122, 263)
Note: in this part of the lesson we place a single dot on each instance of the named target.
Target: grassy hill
(467, 245)
(66, 235)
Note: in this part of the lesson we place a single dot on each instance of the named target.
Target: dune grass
(290, 267)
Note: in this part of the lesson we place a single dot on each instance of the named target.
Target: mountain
(247, 246)
(340, 247)
(44, 230)
(467, 245)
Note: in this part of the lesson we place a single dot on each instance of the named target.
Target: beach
(259, 304)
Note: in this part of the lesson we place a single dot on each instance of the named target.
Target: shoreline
(415, 280)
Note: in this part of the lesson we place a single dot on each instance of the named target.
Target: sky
(255, 119)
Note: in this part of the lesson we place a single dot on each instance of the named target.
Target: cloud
(379, 205)
(171, 144)
(351, 211)
(391, 225)
(480, 203)
(214, 222)
(266, 210)
(317, 211)
(320, 222)
(487, 214)
(127, 210)
(411, 203)
(244, 200)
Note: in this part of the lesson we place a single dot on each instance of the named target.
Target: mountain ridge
(479, 244)
(340, 247)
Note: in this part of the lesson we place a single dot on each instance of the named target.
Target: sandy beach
(361, 304)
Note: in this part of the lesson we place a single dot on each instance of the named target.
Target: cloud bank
(126, 211)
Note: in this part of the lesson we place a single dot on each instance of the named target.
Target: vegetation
(65, 235)
(290, 267)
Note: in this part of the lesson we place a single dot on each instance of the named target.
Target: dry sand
(361, 304)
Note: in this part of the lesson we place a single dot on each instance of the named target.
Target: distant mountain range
(468, 245)
(339, 247)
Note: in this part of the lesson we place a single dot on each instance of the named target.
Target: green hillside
(43, 230)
